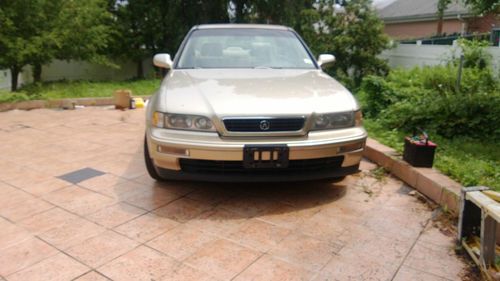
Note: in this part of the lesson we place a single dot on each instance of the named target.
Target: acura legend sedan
(246, 103)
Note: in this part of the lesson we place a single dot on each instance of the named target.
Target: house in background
(410, 19)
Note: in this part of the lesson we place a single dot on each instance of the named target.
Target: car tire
(150, 166)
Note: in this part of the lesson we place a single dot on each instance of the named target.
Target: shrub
(475, 116)
(428, 97)
(475, 54)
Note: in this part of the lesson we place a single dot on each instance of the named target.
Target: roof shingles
(405, 10)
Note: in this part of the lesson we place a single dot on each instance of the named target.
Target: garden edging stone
(59, 103)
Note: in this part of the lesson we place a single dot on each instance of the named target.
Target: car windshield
(244, 48)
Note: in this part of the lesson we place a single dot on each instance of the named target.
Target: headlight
(330, 121)
(182, 122)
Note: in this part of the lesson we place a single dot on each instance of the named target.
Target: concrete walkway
(76, 203)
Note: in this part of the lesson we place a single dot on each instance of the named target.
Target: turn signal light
(173, 150)
(351, 147)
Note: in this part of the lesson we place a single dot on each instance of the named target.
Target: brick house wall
(483, 24)
(420, 29)
(409, 30)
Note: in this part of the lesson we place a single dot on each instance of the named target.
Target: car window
(244, 48)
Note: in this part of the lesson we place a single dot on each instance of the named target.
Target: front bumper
(257, 176)
(176, 144)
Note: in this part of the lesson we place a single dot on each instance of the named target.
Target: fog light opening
(173, 150)
(351, 147)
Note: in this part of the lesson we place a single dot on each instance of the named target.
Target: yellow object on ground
(139, 102)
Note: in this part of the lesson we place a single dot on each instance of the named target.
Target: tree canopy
(37, 31)
(484, 6)
(34, 32)
(352, 32)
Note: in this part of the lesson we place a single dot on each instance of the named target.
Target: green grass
(469, 161)
(78, 89)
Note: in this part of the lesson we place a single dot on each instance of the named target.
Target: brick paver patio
(121, 225)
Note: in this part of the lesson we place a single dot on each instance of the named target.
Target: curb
(60, 103)
(428, 181)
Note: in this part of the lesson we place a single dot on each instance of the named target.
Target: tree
(146, 27)
(18, 20)
(442, 5)
(285, 12)
(37, 31)
(478, 6)
(47, 37)
(484, 6)
(239, 10)
(85, 31)
(353, 33)
(133, 19)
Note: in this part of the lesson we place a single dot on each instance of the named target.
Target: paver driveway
(110, 220)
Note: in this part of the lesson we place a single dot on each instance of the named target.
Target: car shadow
(227, 201)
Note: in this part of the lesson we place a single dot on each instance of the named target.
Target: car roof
(251, 26)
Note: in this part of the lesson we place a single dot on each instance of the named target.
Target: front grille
(255, 124)
(236, 167)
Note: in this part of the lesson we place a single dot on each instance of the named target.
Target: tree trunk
(14, 73)
(240, 6)
(37, 73)
(140, 69)
(440, 25)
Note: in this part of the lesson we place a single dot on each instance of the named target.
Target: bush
(378, 93)
(475, 54)
(428, 97)
(448, 116)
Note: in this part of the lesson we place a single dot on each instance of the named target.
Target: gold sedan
(250, 103)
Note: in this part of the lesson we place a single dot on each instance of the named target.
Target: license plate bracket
(265, 156)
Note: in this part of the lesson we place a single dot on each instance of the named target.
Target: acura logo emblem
(264, 125)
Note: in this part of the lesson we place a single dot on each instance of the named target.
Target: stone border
(60, 103)
(428, 181)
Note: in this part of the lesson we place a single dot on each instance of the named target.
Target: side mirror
(163, 61)
(325, 59)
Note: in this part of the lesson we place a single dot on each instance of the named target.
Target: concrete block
(28, 105)
(55, 103)
(427, 186)
(405, 172)
(450, 200)
(6, 106)
(379, 154)
(103, 101)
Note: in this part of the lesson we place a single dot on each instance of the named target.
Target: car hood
(252, 92)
